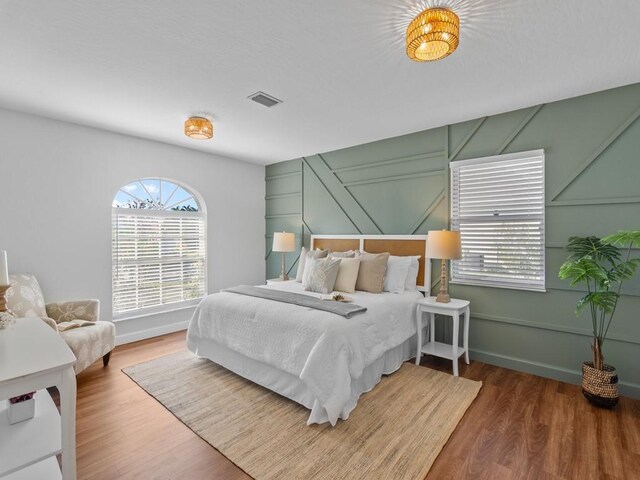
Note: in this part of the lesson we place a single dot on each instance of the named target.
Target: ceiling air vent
(264, 99)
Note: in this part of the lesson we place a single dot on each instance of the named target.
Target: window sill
(139, 314)
(506, 287)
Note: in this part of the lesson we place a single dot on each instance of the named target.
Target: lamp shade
(284, 242)
(444, 244)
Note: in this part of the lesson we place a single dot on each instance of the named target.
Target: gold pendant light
(432, 35)
(199, 128)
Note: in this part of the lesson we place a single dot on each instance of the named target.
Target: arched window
(158, 247)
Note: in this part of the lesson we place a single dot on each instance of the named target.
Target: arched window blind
(497, 203)
(158, 248)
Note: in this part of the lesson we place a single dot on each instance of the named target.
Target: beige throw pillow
(320, 274)
(304, 255)
(347, 275)
(371, 273)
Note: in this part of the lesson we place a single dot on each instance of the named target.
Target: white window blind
(497, 204)
(158, 259)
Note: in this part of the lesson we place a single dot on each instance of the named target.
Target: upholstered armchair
(89, 342)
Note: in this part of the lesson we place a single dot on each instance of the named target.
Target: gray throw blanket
(339, 308)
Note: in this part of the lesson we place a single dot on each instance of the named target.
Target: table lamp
(284, 242)
(445, 245)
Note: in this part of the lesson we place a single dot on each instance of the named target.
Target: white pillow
(347, 275)
(396, 276)
(304, 254)
(412, 274)
(320, 274)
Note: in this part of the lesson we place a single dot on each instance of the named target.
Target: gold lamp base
(3, 299)
(283, 276)
(443, 295)
(443, 298)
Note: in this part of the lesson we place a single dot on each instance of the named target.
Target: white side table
(33, 357)
(454, 309)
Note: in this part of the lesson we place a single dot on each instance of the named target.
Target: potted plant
(601, 267)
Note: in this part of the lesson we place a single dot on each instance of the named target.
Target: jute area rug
(395, 432)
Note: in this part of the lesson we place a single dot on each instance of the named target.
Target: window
(497, 203)
(158, 248)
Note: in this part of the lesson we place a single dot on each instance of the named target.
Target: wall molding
(596, 154)
(551, 327)
(467, 138)
(439, 198)
(282, 195)
(544, 370)
(390, 161)
(281, 175)
(151, 332)
(592, 201)
(282, 215)
(519, 128)
(392, 178)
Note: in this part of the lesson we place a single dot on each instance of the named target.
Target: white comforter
(324, 350)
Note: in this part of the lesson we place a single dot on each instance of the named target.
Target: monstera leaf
(593, 247)
(624, 238)
(624, 271)
(584, 269)
(605, 301)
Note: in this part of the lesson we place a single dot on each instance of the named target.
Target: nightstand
(455, 309)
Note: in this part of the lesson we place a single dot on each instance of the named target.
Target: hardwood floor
(519, 427)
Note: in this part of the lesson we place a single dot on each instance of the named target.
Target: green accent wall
(401, 186)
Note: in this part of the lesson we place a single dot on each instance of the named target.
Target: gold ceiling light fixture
(432, 35)
(199, 128)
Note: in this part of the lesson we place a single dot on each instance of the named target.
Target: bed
(318, 359)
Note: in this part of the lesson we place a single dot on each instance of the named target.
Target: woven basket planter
(600, 387)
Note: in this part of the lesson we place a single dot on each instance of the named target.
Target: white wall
(57, 181)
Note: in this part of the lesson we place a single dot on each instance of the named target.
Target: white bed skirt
(292, 387)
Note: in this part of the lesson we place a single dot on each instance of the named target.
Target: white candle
(4, 270)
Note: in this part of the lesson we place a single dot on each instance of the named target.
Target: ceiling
(142, 67)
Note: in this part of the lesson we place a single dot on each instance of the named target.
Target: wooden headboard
(400, 245)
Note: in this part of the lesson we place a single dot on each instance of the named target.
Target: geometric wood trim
(593, 201)
(306, 162)
(281, 175)
(391, 161)
(598, 151)
(390, 178)
(439, 198)
(282, 195)
(466, 139)
(549, 326)
(282, 215)
(521, 126)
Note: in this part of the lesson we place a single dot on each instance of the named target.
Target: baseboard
(151, 332)
(544, 370)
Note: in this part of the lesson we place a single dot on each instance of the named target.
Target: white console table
(33, 357)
